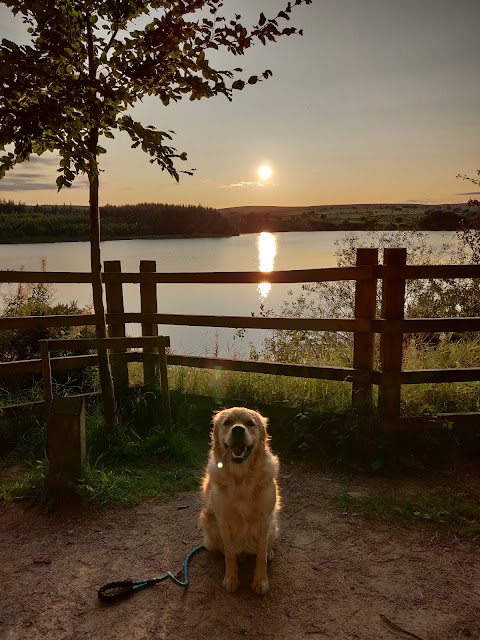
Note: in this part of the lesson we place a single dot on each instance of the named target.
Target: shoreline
(160, 237)
(220, 236)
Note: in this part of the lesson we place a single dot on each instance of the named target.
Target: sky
(378, 102)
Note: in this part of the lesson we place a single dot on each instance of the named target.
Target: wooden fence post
(391, 344)
(66, 444)
(364, 343)
(114, 297)
(148, 304)
(162, 358)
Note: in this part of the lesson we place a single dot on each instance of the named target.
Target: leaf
(8, 44)
(238, 84)
(262, 20)
(253, 80)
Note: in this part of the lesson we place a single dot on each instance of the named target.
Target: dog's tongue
(237, 450)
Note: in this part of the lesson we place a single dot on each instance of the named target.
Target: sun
(264, 172)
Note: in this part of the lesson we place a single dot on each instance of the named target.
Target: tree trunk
(106, 383)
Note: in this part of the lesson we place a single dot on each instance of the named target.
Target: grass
(442, 397)
(449, 511)
(131, 484)
(257, 388)
(111, 485)
(17, 394)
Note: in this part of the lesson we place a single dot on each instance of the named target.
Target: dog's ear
(216, 419)
(263, 423)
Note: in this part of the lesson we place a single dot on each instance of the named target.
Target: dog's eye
(250, 423)
(228, 423)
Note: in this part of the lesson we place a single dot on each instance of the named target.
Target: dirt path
(333, 576)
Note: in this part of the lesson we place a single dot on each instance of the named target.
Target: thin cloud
(34, 186)
(240, 185)
(26, 182)
(468, 193)
(426, 201)
(36, 174)
(43, 160)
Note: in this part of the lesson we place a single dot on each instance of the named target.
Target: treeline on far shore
(40, 223)
(21, 223)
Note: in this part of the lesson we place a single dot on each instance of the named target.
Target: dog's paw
(231, 583)
(260, 585)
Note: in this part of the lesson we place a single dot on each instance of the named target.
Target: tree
(473, 202)
(87, 64)
(469, 234)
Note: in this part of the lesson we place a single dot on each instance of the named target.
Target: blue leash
(113, 591)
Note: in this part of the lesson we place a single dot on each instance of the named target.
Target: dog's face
(237, 432)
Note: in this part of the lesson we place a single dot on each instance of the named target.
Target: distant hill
(407, 216)
(342, 207)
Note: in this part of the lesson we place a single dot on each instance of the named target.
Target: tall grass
(442, 397)
(258, 389)
(332, 396)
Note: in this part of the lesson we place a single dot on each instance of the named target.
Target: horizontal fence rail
(328, 274)
(391, 326)
(44, 322)
(245, 322)
(408, 325)
(342, 374)
(48, 277)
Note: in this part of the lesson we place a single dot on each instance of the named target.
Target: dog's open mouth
(236, 453)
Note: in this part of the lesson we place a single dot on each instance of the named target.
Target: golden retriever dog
(240, 494)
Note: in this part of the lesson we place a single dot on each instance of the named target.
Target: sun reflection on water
(267, 250)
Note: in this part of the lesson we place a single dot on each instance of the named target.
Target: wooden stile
(118, 344)
(47, 375)
(391, 344)
(114, 298)
(364, 342)
(148, 304)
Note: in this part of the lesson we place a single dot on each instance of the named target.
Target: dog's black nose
(238, 433)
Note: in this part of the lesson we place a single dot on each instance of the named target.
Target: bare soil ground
(333, 575)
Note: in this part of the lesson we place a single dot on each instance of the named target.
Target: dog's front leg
(230, 581)
(260, 579)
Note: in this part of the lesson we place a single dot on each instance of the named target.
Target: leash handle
(120, 589)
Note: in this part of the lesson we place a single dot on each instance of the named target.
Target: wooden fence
(391, 326)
